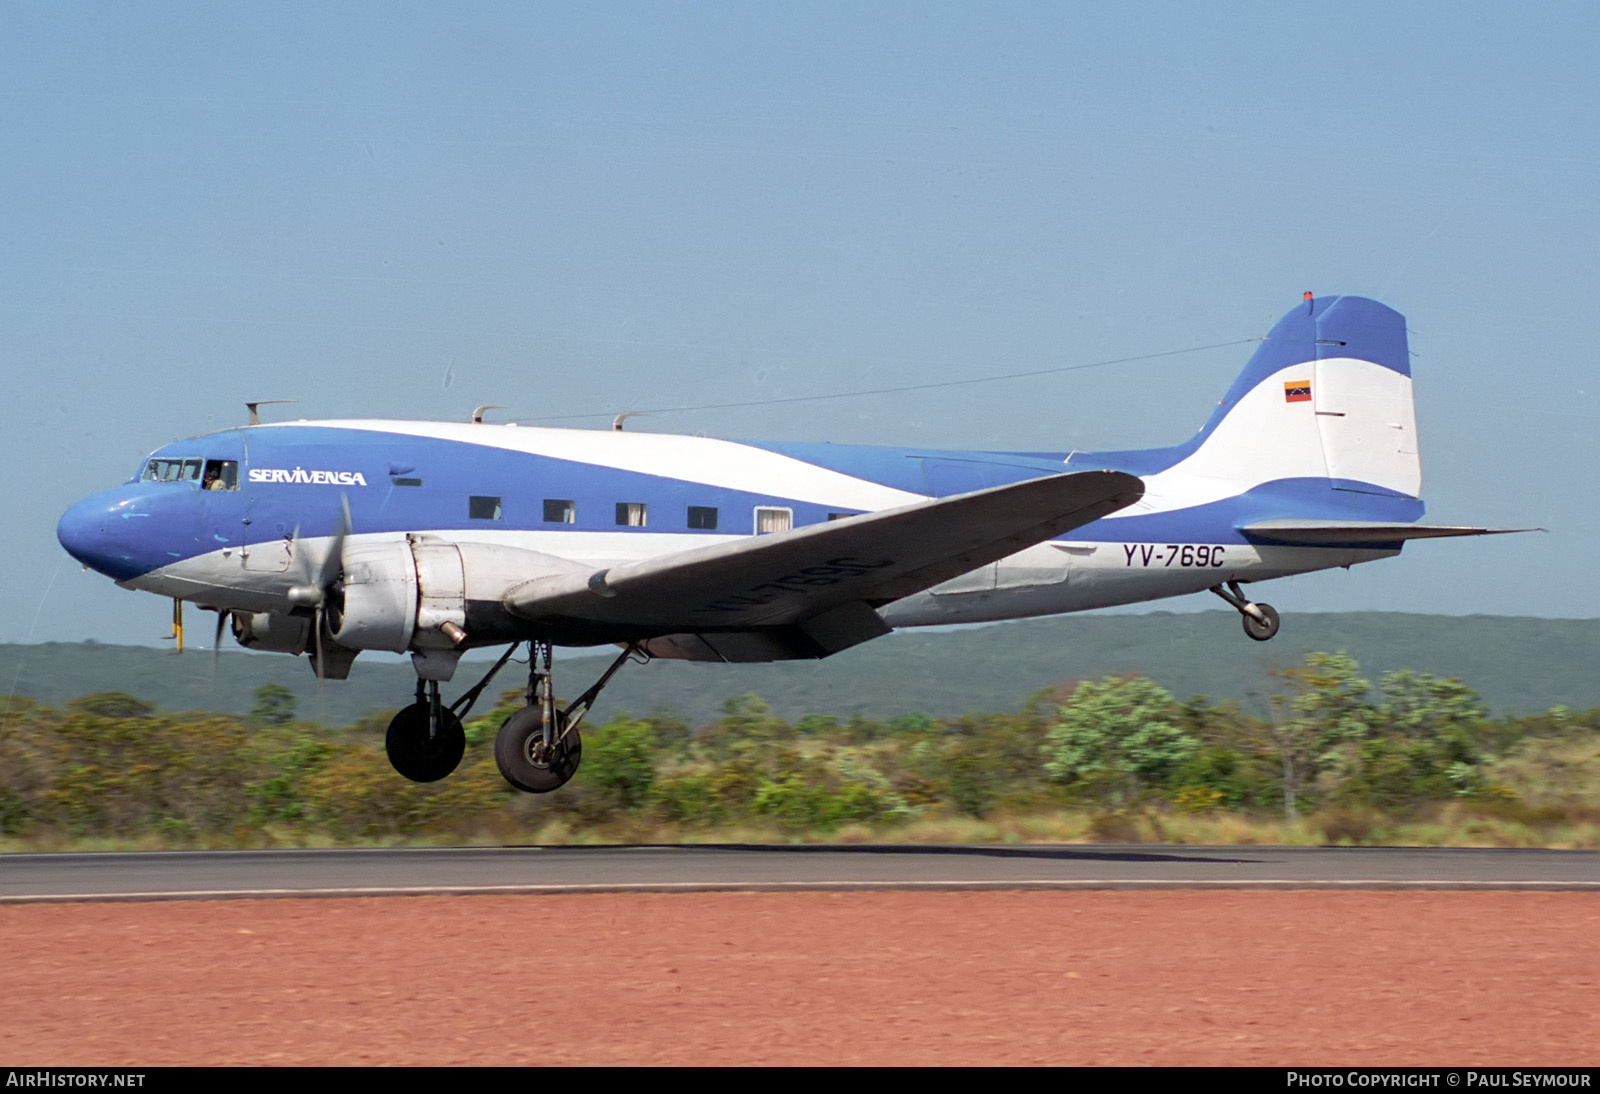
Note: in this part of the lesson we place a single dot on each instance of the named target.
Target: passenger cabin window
(483, 508)
(841, 516)
(773, 520)
(702, 518)
(557, 511)
(630, 514)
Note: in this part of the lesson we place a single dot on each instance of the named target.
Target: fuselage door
(267, 546)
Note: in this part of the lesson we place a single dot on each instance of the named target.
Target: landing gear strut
(1260, 620)
(538, 748)
(426, 741)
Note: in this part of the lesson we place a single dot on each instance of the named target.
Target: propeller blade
(216, 642)
(316, 581)
(298, 558)
(317, 624)
(316, 590)
(305, 592)
(333, 559)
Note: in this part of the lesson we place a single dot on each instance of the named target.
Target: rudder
(1327, 395)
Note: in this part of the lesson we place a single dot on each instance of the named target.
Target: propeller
(317, 582)
(216, 642)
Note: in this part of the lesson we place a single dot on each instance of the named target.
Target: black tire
(1258, 629)
(414, 754)
(513, 753)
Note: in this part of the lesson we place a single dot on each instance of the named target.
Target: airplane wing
(1353, 533)
(814, 590)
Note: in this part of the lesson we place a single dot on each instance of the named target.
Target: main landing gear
(1260, 620)
(537, 749)
(425, 741)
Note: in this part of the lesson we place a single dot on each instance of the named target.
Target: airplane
(330, 538)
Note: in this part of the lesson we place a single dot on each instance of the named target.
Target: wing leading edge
(815, 590)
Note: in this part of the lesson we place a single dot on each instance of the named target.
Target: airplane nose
(80, 528)
(92, 532)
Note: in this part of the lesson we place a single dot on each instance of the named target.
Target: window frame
(786, 510)
(475, 506)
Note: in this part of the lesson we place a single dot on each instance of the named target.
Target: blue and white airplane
(328, 538)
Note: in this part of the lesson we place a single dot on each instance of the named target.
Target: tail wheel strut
(1260, 620)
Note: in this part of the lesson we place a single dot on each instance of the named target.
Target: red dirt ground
(1173, 977)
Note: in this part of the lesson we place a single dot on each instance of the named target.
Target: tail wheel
(1264, 628)
(421, 756)
(527, 762)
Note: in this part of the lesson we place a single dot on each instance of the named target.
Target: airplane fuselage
(604, 498)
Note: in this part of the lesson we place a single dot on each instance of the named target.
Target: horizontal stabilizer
(1352, 533)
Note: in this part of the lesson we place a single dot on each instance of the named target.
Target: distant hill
(1520, 666)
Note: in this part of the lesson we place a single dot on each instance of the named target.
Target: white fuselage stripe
(725, 464)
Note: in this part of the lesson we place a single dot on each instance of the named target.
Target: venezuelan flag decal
(1297, 391)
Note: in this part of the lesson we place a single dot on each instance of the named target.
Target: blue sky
(409, 210)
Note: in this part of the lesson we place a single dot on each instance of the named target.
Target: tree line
(1120, 754)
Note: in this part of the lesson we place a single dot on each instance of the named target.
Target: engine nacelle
(378, 609)
(412, 593)
(271, 631)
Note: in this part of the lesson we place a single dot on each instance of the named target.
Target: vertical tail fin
(1326, 396)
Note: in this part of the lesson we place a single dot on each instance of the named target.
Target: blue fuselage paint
(1317, 427)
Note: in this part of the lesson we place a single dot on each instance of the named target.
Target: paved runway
(178, 875)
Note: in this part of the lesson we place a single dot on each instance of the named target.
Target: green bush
(619, 760)
(1114, 737)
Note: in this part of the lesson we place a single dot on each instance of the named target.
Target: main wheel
(418, 756)
(1264, 628)
(519, 750)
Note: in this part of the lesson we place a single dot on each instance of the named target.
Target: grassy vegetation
(1414, 760)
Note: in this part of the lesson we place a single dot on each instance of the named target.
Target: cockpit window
(221, 475)
(160, 470)
(210, 474)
